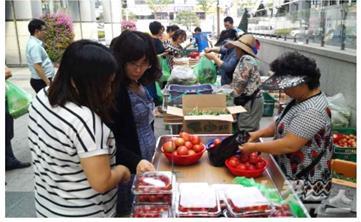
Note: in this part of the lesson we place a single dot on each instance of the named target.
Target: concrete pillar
(23, 10)
(36, 8)
(87, 10)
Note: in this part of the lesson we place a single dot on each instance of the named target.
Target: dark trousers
(37, 84)
(9, 134)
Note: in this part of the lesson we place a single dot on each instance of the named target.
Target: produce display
(281, 211)
(154, 187)
(197, 200)
(183, 150)
(249, 165)
(155, 210)
(247, 202)
(194, 55)
(198, 112)
(344, 140)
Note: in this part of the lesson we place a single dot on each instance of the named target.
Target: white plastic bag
(340, 111)
(182, 75)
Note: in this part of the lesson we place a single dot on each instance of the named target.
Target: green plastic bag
(165, 69)
(18, 100)
(159, 92)
(205, 71)
(272, 195)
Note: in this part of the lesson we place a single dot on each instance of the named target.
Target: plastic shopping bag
(227, 148)
(182, 75)
(18, 100)
(205, 71)
(340, 111)
(163, 62)
(159, 92)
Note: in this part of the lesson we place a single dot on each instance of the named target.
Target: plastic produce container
(197, 200)
(151, 210)
(269, 104)
(177, 91)
(154, 187)
(345, 153)
(247, 202)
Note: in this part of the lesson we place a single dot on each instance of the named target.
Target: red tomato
(233, 162)
(175, 153)
(191, 152)
(182, 150)
(260, 165)
(179, 142)
(244, 157)
(217, 141)
(253, 159)
(195, 139)
(197, 148)
(169, 146)
(241, 166)
(188, 144)
(185, 136)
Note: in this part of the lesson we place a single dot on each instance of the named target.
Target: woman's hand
(210, 55)
(144, 166)
(208, 50)
(254, 136)
(247, 147)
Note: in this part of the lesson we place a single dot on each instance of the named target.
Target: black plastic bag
(227, 148)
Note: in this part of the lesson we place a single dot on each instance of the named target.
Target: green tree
(158, 5)
(187, 18)
(205, 5)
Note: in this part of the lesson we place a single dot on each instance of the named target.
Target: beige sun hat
(247, 43)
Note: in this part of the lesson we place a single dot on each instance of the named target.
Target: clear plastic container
(151, 210)
(247, 202)
(154, 187)
(197, 200)
(220, 189)
(282, 210)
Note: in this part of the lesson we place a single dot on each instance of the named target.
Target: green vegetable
(198, 112)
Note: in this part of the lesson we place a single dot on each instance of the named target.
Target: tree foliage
(206, 5)
(187, 18)
(158, 5)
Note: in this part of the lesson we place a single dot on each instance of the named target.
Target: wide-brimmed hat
(247, 43)
(280, 82)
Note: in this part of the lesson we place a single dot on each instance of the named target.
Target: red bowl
(246, 173)
(184, 160)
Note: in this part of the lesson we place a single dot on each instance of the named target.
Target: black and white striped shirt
(58, 138)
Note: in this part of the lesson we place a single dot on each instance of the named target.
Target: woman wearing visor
(302, 144)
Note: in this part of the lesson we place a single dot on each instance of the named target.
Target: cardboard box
(206, 124)
(345, 168)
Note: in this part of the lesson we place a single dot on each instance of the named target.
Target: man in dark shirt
(156, 29)
(229, 34)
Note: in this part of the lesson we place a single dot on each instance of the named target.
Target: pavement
(19, 188)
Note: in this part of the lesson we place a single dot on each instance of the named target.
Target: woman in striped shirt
(72, 149)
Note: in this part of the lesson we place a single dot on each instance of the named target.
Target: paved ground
(19, 197)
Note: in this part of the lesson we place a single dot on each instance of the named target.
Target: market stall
(201, 174)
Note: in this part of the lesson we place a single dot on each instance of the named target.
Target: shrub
(59, 34)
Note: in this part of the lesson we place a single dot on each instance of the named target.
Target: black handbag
(227, 148)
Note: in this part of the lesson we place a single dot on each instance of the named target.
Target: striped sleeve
(90, 138)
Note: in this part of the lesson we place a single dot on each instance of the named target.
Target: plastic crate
(177, 91)
(345, 153)
(269, 104)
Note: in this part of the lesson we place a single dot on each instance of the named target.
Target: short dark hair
(197, 29)
(85, 77)
(296, 64)
(155, 27)
(179, 33)
(35, 24)
(132, 46)
(228, 19)
(172, 28)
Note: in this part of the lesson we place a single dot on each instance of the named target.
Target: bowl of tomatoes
(184, 150)
(247, 165)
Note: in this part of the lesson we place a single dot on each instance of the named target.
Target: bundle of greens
(198, 112)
